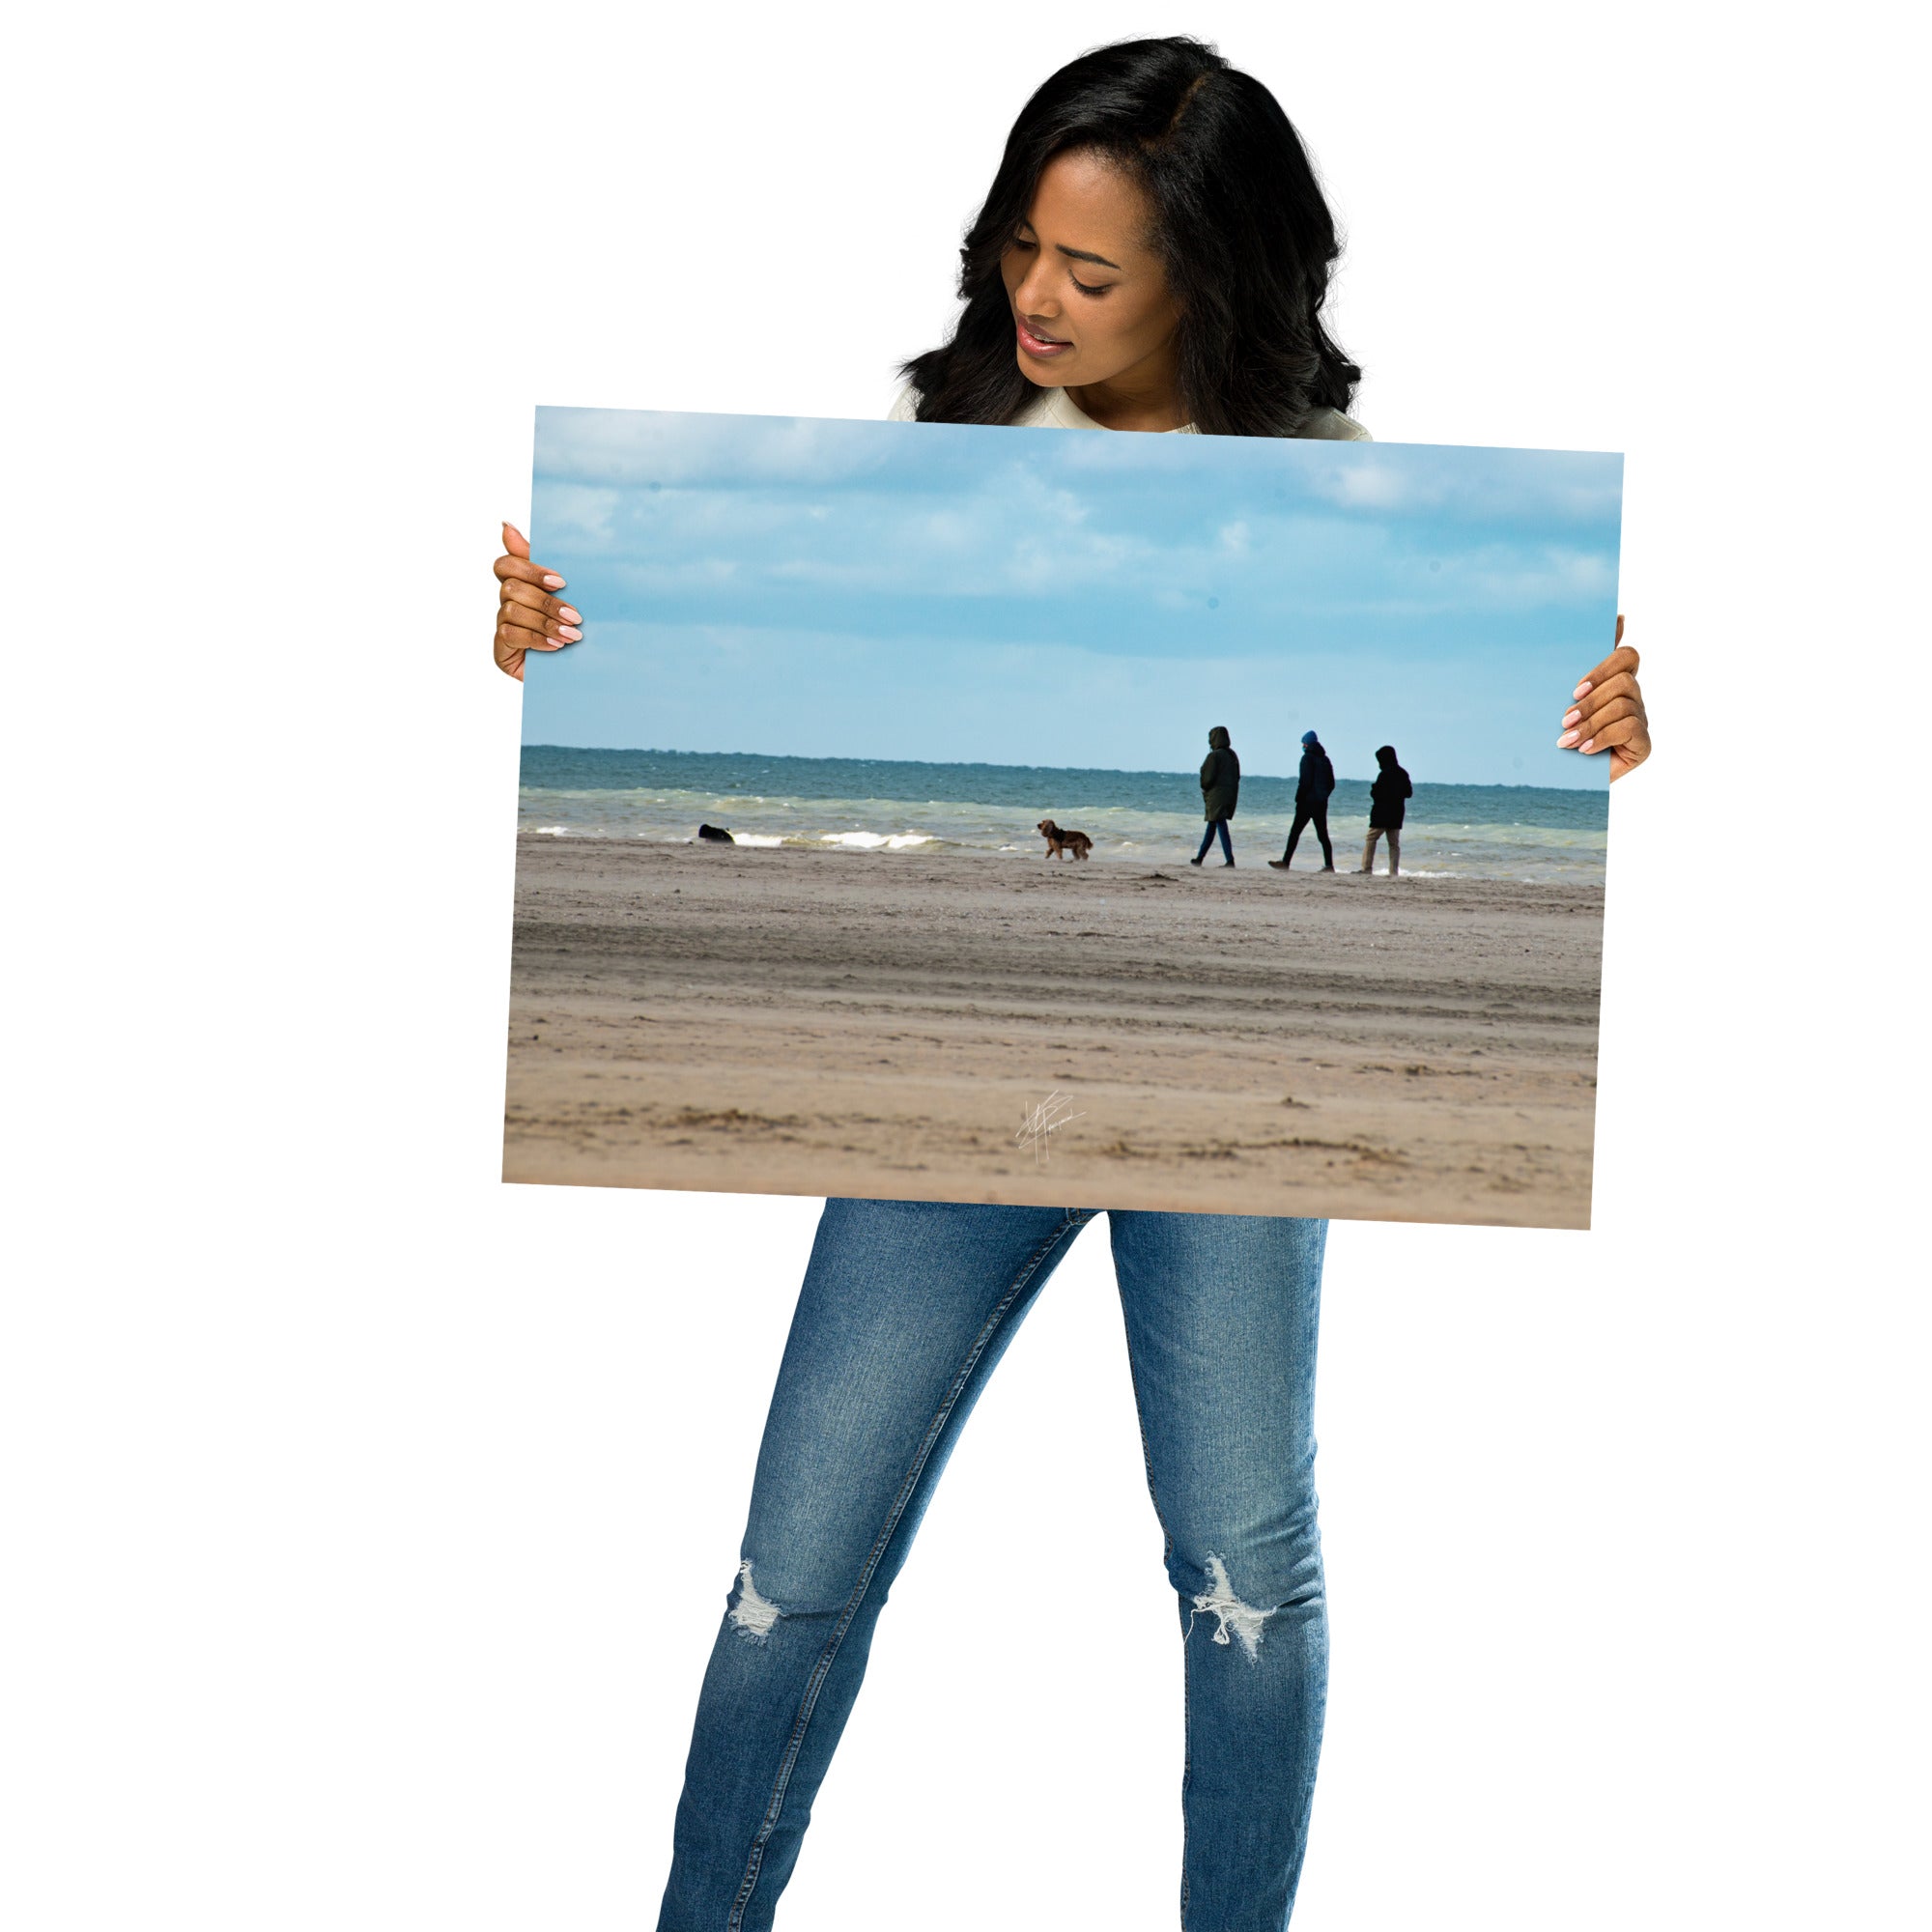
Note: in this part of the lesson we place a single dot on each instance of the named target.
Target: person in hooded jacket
(1311, 804)
(1391, 786)
(1220, 786)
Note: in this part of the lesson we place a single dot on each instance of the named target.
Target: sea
(893, 805)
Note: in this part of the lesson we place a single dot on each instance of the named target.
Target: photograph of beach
(876, 838)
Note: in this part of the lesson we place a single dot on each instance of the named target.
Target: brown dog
(1058, 841)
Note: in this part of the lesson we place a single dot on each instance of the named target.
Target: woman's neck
(1146, 396)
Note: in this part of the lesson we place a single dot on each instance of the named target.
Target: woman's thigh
(905, 1309)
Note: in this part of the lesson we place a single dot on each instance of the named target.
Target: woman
(1152, 255)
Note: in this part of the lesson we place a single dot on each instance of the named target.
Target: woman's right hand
(529, 618)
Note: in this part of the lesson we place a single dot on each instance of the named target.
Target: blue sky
(1062, 597)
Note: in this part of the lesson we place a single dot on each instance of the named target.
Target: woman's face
(1090, 300)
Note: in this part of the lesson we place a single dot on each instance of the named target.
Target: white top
(1055, 409)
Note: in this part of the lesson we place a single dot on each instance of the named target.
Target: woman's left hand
(1606, 713)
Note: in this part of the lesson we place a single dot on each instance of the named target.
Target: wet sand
(792, 1021)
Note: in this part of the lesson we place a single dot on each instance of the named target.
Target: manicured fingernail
(553, 583)
(571, 616)
(1569, 717)
(1582, 689)
(1568, 738)
(1588, 745)
(569, 632)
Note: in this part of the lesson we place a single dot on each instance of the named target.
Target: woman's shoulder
(1052, 408)
(1332, 426)
(1048, 409)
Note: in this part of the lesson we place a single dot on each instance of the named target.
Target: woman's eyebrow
(1087, 255)
(1075, 254)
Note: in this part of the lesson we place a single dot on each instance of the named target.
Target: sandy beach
(881, 1023)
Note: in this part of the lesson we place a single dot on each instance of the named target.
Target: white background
(366, 1522)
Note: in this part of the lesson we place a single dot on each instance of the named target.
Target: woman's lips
(1044, 347)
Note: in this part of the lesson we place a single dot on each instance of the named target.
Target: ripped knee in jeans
(751, 1615)
(1237, 1622)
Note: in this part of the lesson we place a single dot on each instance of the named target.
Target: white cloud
(1374, 484)
(575, 513)
(1469, 484)
(632, 448)
(1265, 533)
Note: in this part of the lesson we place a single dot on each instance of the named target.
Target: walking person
(1311, 804)
(1152, 255)
(1220, 788)
(1386, 798)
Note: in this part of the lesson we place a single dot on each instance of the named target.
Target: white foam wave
(873, 842)
(755, 838)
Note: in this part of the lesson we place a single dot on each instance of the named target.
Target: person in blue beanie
(1311, 804)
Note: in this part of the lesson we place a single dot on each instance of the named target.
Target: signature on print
(1038, 1123)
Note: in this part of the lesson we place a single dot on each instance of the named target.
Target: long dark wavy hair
(1241, 227)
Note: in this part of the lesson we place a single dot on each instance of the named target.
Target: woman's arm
(529, 618)
(1606, 712)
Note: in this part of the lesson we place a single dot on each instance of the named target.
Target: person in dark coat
(1220, 788)
(1386, 795)
(1311, 803)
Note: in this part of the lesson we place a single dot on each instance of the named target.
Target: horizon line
(989, 764)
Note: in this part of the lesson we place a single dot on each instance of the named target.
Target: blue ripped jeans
(906, 1309)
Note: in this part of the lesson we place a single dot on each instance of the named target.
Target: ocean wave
(1446, 843)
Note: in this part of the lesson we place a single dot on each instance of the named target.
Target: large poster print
(1109, 820)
